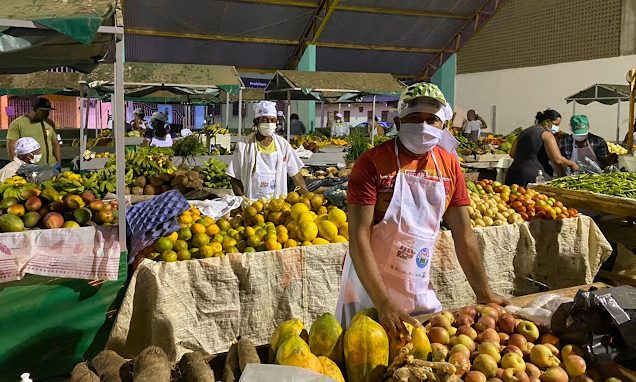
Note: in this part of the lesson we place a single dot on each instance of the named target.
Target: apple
(513, 361)
(511, 349)
(490, 349)
(439, 352)
(489, 335)
(535, 379)
(574, 365)
(485, 322)
(495, 380)
(503, 338)
(440, 321)
(486, 364)
(500, 372)
(543, 358)
(464, 319)
(461, 362)
(553, 349)
(549, 338)
(489, 311)
(439, 335)
(554, 374)
(532, 370)
(459, 348)
(467, 331)
(474, 376)
(515, 375)
(571, 350)
(507, 323)
(469, 310)
(452, 331)
(497, 307)
(528, 330)
(519, 341)
(466, 341)
(448, 315)
(582, 378)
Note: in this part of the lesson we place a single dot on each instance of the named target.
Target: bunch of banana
(338, 142)
(214, 175)
(17, 187)
(68, 182)
(105, 180)
(149, 161)
(15, 181)
(215, 129)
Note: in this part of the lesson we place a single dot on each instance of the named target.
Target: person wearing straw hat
(397, 195)
(263, 161)
(582, 144)
(27, 151)
(38, 126)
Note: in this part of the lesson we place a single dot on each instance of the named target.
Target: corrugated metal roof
(400, 37)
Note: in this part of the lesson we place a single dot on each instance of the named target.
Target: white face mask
(555, 129)
(266, 129)
(419, 138)
(36, 158)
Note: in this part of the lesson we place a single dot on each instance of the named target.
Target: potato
(246, 353)
(107, 365)
(81, 373)
(151, 365)
(231, 370)
(194, 368)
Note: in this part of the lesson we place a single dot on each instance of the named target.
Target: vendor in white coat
(339, 128)
(27, 151)
(262, 162)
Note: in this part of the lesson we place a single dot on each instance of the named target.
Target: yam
(137, 191)
(107, 365)
(152, 190)
(231, 370)
(194, 368)
(151, 365)
(140, 181)
(81, 373)
(246, 353)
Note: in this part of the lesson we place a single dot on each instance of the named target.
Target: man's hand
(493, 297)
(393, 319)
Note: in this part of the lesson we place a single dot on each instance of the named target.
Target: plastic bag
(217, 208)
(267, 373)
(37, 174)
(541, 309)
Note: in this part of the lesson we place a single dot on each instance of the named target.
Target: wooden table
(604, 204)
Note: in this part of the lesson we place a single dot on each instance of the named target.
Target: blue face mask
(555, 129)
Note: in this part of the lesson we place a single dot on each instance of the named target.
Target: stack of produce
(190, 146)
(475, 344)
(616, 149)
(88, 155)
(283, 222)
(329, 172)
(493, 203)
(621, 184)
(26, 206)
(214, 174)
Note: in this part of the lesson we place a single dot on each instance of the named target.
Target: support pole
(373, 131)
(240, 113)
(573, 107)
(81, 135)
(618, 121)
(322, 114)
(631, 78)
(227, 110)
(288, 115)
(97, 117)
(118, 129)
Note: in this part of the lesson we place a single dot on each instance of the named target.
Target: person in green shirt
(38, 126)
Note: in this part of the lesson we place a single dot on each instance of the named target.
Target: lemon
(275, 205)
(298, 209)
(163, 244)
(216, 247)
(340, 239)
(184, 254)
(293, 198)
(319, 241)
(185, 234)
(327, 230)
(317, 201)
(199, 240)
(168, 256)
(306, 243)
(338, 217)
(249, 231)
(212, 229)
(197, 228)
(258, 205)
(282, 237)
(250, 212)
(291, 243)
(185, 219)
(344, 230)
(227, 243)
(322, 210)
(307, 231)
(179, 245)
(305, 216)
(206, 251)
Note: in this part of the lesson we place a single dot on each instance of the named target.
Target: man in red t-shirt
(397, 194)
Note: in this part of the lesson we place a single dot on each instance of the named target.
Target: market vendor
(139, 123)
(536, 149)
(158, 134)
(262, 162)
(398, 193)
(27, 151)
(339, 128)
(582, 144)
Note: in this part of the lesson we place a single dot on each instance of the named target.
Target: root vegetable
(151, 365)
(107, 365)
(246, 353)
(194, 368)
(231, 370)
(81, 373)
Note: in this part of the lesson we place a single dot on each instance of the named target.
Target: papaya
(372, 313)
(11, 223)
(324, 334)
(330, 369)
(295, 352)
(285, 330)
(366, 351)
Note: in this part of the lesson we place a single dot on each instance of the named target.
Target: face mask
(36, 158)
(448, 142)
(266, 129)
(419, 138)
(554, 129)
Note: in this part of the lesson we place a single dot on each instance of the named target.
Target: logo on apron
(422, 257)
(405, 252)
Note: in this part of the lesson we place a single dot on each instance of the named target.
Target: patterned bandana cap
(580, 124)
(26, 145)
(265, 109)
(419, 90)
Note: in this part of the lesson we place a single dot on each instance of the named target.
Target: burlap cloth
(204, 305)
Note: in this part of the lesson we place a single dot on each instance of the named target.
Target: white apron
(166, 142)
(264, 182)
(579, 154)
(403, 244)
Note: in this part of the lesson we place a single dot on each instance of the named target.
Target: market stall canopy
(71, 38)
(604, 93)
(249, 95)
(326, 86)
(407, 38)
(39, 83)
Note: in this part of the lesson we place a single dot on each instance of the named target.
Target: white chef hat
(338, 115)
(280, 113)
(26, 145)
(265, 109)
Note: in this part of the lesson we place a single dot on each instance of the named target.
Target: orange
(258, 206)
(223, 224)
(197, 228)
(253, 241)
(185, 234)
(218, 238)
(282, 237)
(216, 247)
(185, 219)
(250, 212)
(212, 229)
(258, 219)
(249, 231)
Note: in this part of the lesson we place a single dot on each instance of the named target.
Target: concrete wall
(356, 116)
(517, 94)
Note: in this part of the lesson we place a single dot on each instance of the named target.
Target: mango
(11, 223)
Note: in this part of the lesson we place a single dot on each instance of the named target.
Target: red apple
(439, 335)
(554, 374)
(503, 338)
(574, 365)
(532, 370)
(469, 310)
(519, 341)
(464, 319)
(507, 323)
(468, 331)
(485, 322)
(489, 311)
(497, 307)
